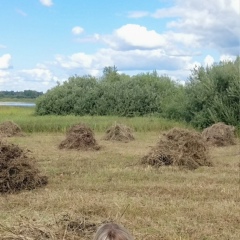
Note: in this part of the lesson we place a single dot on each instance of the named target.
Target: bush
(213, 95)
(113, 94)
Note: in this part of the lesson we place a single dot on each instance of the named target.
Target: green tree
(113, 94)
(72, 97)
(110, 74)
(213, 95)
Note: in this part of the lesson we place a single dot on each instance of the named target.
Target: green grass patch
(29, 122)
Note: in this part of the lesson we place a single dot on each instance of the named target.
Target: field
(96, 186)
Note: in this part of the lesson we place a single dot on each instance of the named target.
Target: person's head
(112, 231)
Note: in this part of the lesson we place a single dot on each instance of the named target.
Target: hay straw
(219, 134)
(9, 129)
(17, 170)
(179, 147)
(79, 137)
(119, 132)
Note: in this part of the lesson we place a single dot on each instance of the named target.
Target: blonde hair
(112, 231)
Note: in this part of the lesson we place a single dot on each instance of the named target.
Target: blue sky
(43, 42)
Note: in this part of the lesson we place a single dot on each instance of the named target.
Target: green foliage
(113, 94)
(213, 95)
(110, 74)
(73, 97)
(174, 105)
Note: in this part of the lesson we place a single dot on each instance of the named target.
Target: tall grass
(25, 117)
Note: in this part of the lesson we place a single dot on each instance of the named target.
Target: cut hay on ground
(17, 170)
(179, 147)
(80, 137)
(219, 134)
(10, 129)
(66, 228)
(80, 226)
(119, 132)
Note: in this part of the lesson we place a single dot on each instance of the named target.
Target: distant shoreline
(17, 104)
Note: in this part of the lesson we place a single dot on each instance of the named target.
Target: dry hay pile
(179, 147)
(79, 137)
(119, 132)
(9, 129)
(17, 170)
(219, 134)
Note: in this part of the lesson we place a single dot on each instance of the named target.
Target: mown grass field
(165, 203)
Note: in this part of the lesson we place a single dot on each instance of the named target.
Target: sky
(44, 42)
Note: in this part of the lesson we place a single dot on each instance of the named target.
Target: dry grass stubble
(164, 203)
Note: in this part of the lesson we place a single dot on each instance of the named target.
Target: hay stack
(179, 147)
(10, 129)
(119, 132)
(219, 134)
(17, 170)
(79, 137)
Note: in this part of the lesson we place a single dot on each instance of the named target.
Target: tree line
(20, 94)
(211, 94)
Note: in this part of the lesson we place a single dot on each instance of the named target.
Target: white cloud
(146, 60)
(138, 60)
(5, 61)
(47, 3)
(208, 61)
(39, 79)
(134, 47)
(235, 5)
(17, 82)
(77, 30)
(192, 65)
(213, 22)
(138, 14)
(188, 40)
(227, 58)
(76, 60)
(96, 36)
(3, 76)
(39, 74)
(134, 62)
(134, 36)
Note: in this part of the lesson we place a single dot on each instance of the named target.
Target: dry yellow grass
(165, 203)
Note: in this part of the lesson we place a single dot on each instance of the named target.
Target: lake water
(17, 104)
